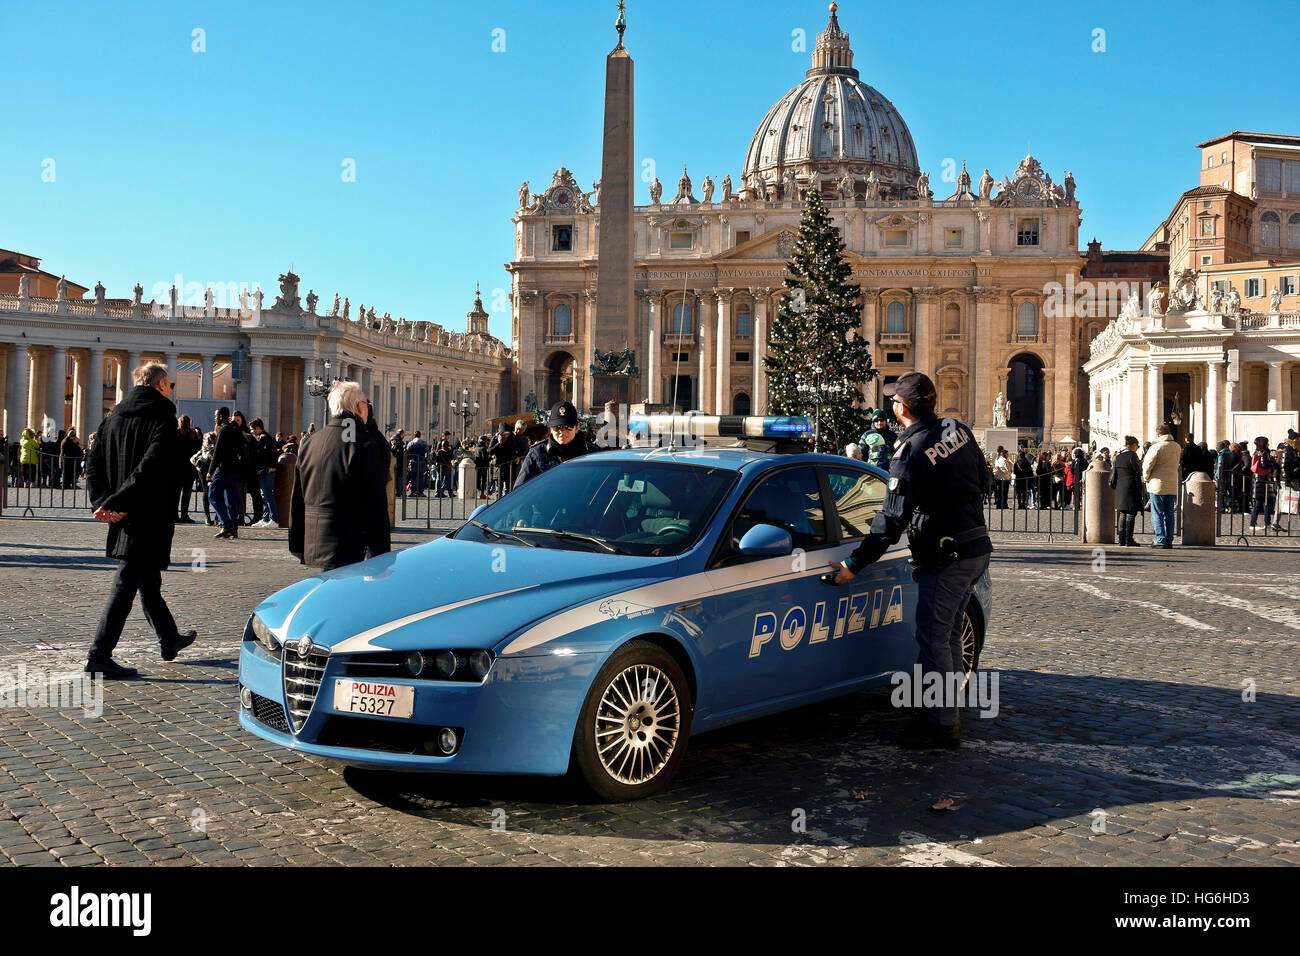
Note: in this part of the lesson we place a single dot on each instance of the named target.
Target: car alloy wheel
(972, 641)
(632, 732)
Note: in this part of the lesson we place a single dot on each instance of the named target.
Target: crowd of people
(44, 460)
(435, 470)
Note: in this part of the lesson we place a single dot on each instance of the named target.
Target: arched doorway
(740, 404)
(680, 392)
(559, 379)
(1025, 391)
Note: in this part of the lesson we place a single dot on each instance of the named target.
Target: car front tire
(972, 639)
(635, 721)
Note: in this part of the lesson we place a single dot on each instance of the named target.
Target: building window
(1207, 226)
(1289, 284)
(742, 358)
(1210, 160)
(1027, 319)
(895, 319)
(742, 323)
(1093, 332)
(742, 235)
(1207, 260)
(1269, 172)
(895, 237)
(893, 356)
(562, 322)
(681, 319)
(1292, 177)
(1270, 229)
(952, 319)
(1027, 234)
(1223, 157)
(1293, 230)
(561, 238)
(1254, 288)
(681, 356)
(679, 240)
(953, 239)
(740, 404)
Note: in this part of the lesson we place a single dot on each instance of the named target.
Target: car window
(653, 508)
(858, 495)
(789, 499)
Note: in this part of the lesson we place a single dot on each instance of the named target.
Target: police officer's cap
(563, 413)
(915, 390)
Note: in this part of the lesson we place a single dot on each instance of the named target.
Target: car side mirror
(766, 541)
(476, 512)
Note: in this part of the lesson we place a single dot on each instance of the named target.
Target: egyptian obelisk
(614, 328)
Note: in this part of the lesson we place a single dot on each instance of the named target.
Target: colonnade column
(1274, 386)
(92, 403)
(253, 401)
(1155, 400)
(56, 386)
(308, 370)
(206, 363)
(1213, 420)
(17, 382)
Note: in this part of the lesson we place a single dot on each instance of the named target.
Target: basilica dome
(836, 125)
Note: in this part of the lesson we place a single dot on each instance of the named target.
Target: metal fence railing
(1040, 504)
(430, 490)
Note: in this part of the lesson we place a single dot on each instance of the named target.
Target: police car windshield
(647, 508)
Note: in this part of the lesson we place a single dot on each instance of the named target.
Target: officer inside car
(937, 483)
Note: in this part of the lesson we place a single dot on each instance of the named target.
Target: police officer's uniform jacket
(937, 483)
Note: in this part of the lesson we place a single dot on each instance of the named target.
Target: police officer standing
(566, 442)
(937, 483)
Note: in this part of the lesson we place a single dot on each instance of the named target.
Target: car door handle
(689, 606)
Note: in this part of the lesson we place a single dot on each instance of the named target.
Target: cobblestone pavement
(1121, 710)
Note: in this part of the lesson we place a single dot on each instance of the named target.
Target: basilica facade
(959, 286)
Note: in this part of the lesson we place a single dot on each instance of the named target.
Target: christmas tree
(817, 360)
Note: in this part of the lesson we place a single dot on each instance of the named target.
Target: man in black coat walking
(227, 465)
(133, 482)
(340, 498)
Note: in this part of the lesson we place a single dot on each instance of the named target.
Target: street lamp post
(466, 412)
(318, 387)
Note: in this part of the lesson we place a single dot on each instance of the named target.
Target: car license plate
(353, 696)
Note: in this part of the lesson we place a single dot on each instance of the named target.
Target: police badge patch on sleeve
(893, 484)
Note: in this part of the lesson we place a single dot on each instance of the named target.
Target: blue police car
(593, 619)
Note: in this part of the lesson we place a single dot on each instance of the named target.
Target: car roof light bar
(658, 428)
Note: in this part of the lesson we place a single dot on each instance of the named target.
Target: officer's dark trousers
(941, 598)
(132, 576)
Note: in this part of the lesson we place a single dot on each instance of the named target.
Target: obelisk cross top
(621, 23)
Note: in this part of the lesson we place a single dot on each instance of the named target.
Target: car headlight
(262, 634)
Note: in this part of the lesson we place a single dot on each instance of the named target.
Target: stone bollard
(466, 480)
(1098, 504)
(1198, 510)
(285, 469)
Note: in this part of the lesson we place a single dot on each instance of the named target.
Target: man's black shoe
(921, 734)
(185, 519)
(110, 670)
(177, 644)
(222, 534)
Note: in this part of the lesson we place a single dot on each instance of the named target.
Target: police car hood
(448, 594)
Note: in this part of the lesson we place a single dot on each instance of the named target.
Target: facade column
(923, 302)
(128, 380)
(56, 386)
(170, 359)
(1155, 400)
(77, 368)
(722, 397)
(1274, 386)
(1049, 405)
(17, 416)
(704, 318)
(981, 338)
(1213, 423)
(93, 403)
(655, 304)
(759, 405)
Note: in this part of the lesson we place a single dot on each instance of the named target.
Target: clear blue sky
(225, 165)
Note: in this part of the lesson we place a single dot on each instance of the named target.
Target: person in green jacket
(29, 449)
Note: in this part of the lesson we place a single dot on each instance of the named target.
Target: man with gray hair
(133, 480)
(340, 501)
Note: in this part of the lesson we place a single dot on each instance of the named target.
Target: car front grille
(270, 712)
(302, 678)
